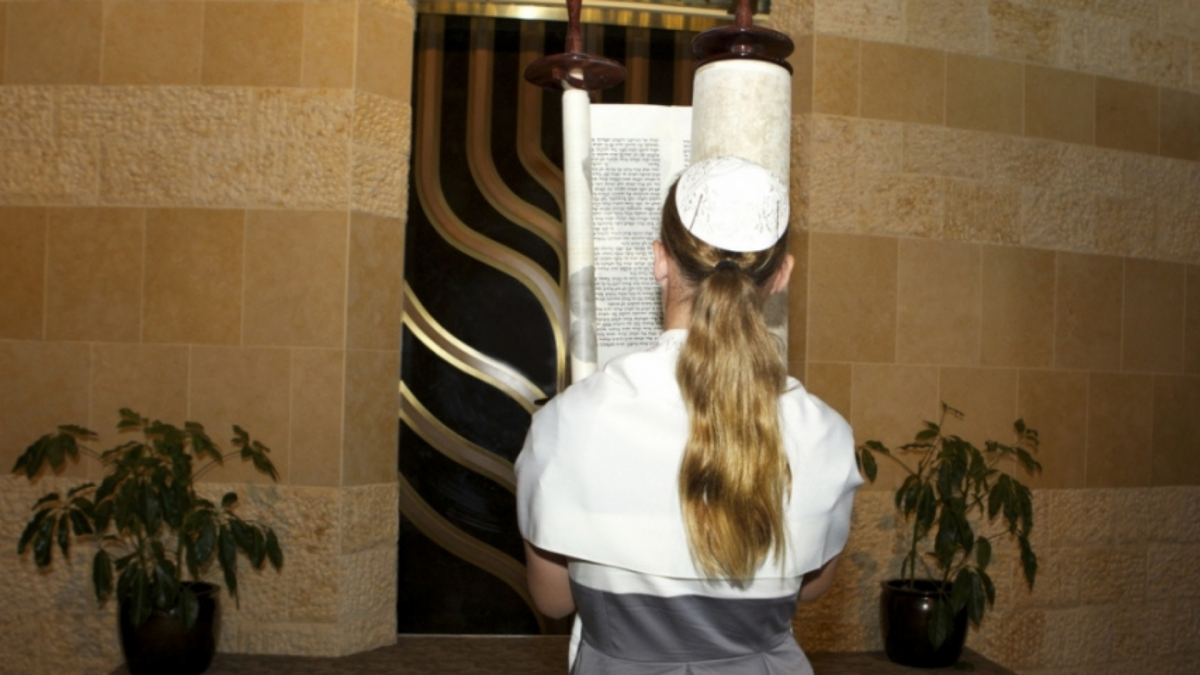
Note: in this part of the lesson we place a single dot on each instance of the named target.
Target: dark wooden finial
(743, 40)
(574, 69)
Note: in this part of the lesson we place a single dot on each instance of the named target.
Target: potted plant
(952, 492)
(152, 533)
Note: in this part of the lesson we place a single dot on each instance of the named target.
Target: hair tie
(727, 265)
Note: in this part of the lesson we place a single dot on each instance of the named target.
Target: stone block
(1058, 219)
(27, 113)
(1126, 226)
(954, 25)
(379, 182)
(1079, 518)
(299, 115)
(309, 175)
(878, 20)
(146, 173)
(1015, 638)
(370, 517)
(981, 212)
(1160, 59)
(1022, 33)
(1171, 571)
(1077, 636)
(899, 204)
(384, 123)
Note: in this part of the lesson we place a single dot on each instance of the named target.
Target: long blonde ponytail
(734, 477)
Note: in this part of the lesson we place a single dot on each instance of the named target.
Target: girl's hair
(735, 474)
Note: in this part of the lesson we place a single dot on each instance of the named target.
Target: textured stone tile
(938, 151)
(1179, 229)
(1058, 583)
(899, 204)
(1017, 638)
(199, 113)
(1154, 316)
(309, 175)
(1113, 576)
(1159, 59)
(801, 61)
(59, 172)
(379, 182)
(852, 298)
(981, 212)
(152, 43)
(1167, 565)
(370, 517)
(1022, 33)
(1024, 162)
(953, 25)
(1126, 226)
(1058, 219)
(298, 115)
(880, 20)
(147, 173)
(1056, 404)
(230, 172)
(1018, 307)
(26, 114)
(386, 124)
(1078, 635)
(1079, 518)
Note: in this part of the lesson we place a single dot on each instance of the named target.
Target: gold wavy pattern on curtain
(433, 201)
(529, 120)
(448, 443)
(479, 147)
(466, 358)
(445, 534)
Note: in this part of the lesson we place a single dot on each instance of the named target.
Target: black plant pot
(162, 646)
(905, 613)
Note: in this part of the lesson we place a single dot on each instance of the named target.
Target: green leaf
(274, 553)
(31, 529)
(165, 588)
(988, 587)
(46, 499)
(927, 434)
(227, 557)
(102, 574)
(229, 500)
(258, 548)
(64, 534)
(1029, 561)
(866, 464)
(43, 543)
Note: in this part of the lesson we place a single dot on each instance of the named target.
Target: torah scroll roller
(577, 74)
(742, 106)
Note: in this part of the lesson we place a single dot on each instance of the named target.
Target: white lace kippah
(732, 203)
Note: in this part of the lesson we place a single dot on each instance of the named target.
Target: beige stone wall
(202, 217)
(1001, 209)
